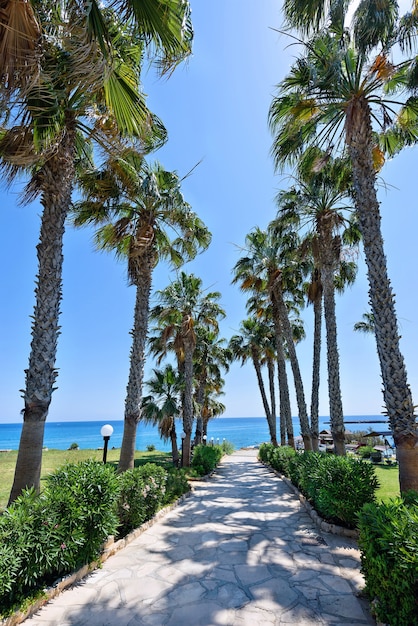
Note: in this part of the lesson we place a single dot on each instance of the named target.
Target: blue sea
(240, 431)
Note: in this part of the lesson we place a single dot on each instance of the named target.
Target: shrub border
(110, 547)
(327, 527)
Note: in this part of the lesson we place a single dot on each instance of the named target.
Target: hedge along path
(241, 550)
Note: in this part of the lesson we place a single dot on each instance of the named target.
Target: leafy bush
(389, 557)
(176, 485)
(365, 451)
(51, 534)
(206, 458)
(263, 452)
(141, 494)
(337, 486)
(278, 457)
(46, 536)
(227, 447)
(86, 493)
(150, 447)
(344, 486)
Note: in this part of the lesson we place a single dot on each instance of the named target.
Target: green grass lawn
(52, 459)
(388, 477)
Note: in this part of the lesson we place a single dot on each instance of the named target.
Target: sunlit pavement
(241, 551)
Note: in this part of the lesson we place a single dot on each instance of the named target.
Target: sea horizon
(240, 431)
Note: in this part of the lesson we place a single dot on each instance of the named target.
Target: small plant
(74, 446)
(150, 447)
(227, 447)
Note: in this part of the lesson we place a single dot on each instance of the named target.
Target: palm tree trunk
(333, 361)
(257, 367)
(300, 395)
(317, 306)
(56, 182)
(174, 448)
(271, 368)
(137, 360)
(200, 398)
(396, 391)
(188, 402)
(284, 395)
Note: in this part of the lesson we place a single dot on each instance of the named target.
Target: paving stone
(341, 606)
(273, 594)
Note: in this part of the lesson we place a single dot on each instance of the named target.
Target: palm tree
(328, 98)
(266, 266)
(318, 201)
(251, 343)
(366, 325)
(212, 407)
(163, 405)
(88, 71)
(144, 219)
(210, 357)
(183, 305)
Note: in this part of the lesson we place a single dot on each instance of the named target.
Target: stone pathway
(241, 551)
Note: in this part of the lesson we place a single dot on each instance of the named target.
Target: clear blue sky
(215, 109)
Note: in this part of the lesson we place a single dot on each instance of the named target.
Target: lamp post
(105, 432)
(212, 441)
(204, 439)
(182, 435)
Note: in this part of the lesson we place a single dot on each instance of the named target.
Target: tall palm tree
(333, 95)
(266, 266)
(144, 218)
(212, 406)
(211, 356)
(163, 405)
(87, 70)
(183, 305)
(251, 343)
(319, 202)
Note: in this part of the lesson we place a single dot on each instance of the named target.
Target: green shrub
(278, 457)
(51, 534)
(176, 485)
(336, 486)
(365, 451)
(344, 486)
(389, 557)
(86, 493)
(305, 474)
(227, 447)
(206, 458)
(141, 494)
(263, 452)
(150, 447)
